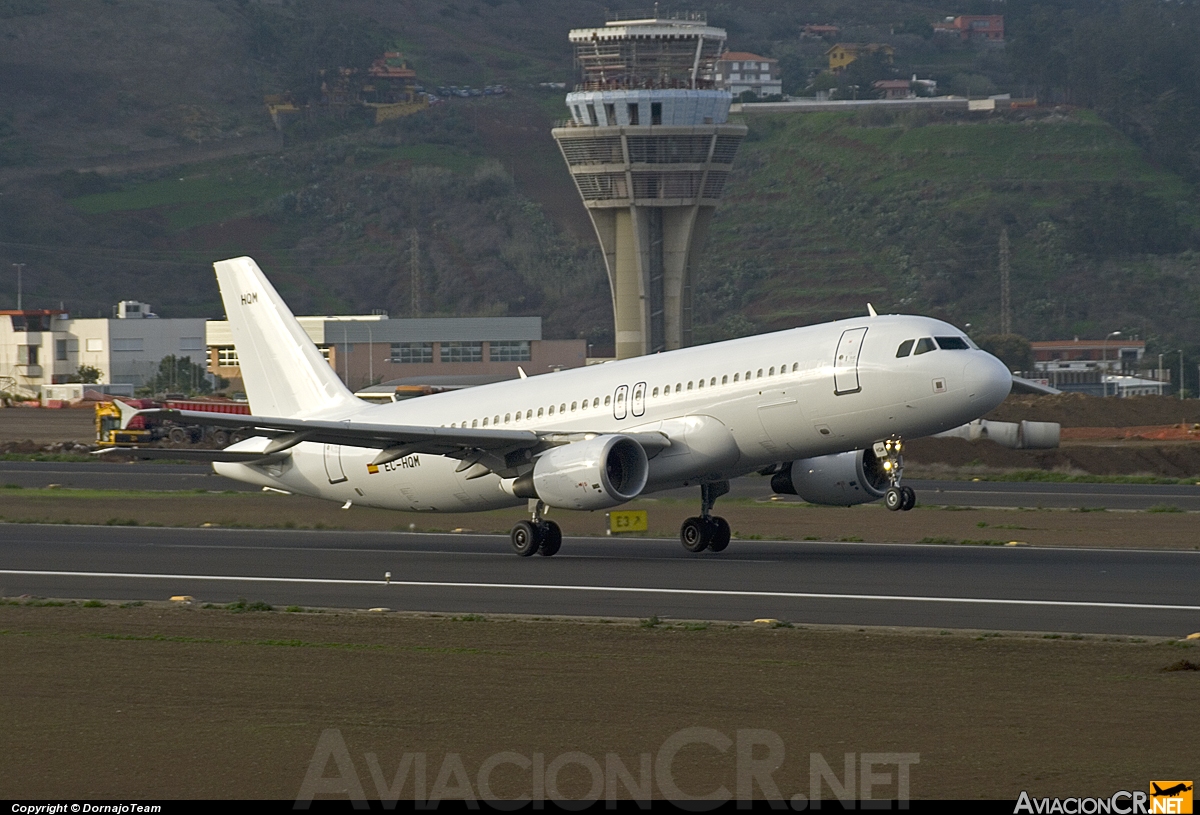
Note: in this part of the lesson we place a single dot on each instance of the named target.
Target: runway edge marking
(612, 589)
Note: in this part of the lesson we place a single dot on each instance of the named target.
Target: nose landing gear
(890, 454)
(537, 535)
(707, 531)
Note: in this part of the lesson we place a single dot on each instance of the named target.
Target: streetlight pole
(1104, 364)
(1181, 374)
(20, 268)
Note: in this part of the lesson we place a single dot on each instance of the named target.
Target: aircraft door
(637, 404)
(620, 402)
(333, 463)
(845, 362)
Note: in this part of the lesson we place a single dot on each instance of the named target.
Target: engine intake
(593, 474)
(841, 479)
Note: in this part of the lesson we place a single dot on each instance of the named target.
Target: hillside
(827, 211)
(824, 212)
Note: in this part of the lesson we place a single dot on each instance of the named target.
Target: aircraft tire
(526, 539)
(893, 499)
(551, 539)
(695, 535)
(910, 498)
(721, 535)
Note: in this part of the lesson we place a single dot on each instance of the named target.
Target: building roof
(891, 83)
(743, 56)
(1115, 342)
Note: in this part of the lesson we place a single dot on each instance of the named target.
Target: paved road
(1065, 590)
(151, 476)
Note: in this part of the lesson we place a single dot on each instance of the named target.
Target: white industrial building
(41, 347)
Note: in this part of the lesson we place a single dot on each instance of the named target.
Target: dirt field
(771, 521)
(47, 426)
(153, 702)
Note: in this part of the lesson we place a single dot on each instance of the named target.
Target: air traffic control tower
(649, 145)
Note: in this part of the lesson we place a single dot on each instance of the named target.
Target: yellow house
(844, 53)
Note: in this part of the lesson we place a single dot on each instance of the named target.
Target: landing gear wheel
(525, 538)
(551, 539)
(893, 499)
(910, 498)
(695, 534)
(721, 534)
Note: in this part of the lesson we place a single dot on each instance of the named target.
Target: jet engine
(593, 474)
(841, 479)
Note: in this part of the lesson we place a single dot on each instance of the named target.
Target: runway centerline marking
(608, 589)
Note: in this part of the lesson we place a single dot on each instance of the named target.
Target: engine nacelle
(593, 474)
(841, 479)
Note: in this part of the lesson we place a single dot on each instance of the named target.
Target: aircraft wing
(492, 449)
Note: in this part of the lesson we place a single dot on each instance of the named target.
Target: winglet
(521, 371)
(871, 310)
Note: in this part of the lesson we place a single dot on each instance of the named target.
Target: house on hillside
(820, 32)
(894, 89)
(843, 53)
(741, 71)
(979, 27)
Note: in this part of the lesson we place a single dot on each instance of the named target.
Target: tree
(1012, 349)
(181, 375)
(87, 374)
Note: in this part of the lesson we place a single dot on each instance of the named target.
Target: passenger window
(529, 414)
(700, 384)
(653, 395)
(573, 407)
(725, 380)
(474, 423)
(485, 421)
(507, 418)
(678, 387)
(585, 404)
(608, 399)
(735, 377)
(924, 346)
(772, 371)
(562, 408)
(760, 373)
(747, 376)
(596, 402)
(904, 349)
(552, 410)
(713, 383)
(952, 343)
(518, 416)
(496, 419)
(689, 385)
(795, 367)
(540, 412)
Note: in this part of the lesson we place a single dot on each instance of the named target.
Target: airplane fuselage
(730, 408)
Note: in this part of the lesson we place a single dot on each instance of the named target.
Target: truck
(121, 422)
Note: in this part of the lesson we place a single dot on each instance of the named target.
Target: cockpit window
(952, 344)
(925, 345)
(904, 349)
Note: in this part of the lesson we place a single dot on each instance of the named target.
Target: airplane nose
(988, 380)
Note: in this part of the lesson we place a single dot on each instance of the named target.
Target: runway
(1145, 593)
(154, 477)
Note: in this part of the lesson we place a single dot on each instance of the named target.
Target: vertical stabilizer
(284, 373)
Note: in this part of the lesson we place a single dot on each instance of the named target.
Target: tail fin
(284, 373)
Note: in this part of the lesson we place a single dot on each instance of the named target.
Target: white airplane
(825, 408)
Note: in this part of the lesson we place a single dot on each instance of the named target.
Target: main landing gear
(537, 535)
(896, 497)
(708, 531)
